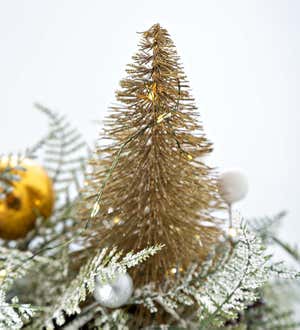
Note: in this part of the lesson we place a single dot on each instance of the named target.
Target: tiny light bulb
(232, 232)
(173, 270)
(116, 219)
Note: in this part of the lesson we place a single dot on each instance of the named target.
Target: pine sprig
(14, 315)
(269, 317)
(221, 288)
(247, 271)
(15, 265)
(104, 265)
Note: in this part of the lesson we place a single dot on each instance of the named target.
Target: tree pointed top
(154, 30)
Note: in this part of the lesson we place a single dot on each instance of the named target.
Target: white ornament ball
(233, 186)
(115, 293)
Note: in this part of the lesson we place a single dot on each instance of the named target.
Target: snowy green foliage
(7, 178)
(208, 296)
(266, 316)
(230, 290)
(222, 288)
(281, 295)
(14, 265)
(105, 265)
(12, 314)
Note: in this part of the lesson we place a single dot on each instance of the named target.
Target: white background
(242, 59)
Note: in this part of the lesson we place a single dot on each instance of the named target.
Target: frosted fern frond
(63, 154)
(12, 314)
(115, 320)
(8, 175)
(233, 288)
(63, 148)
(266, 227)
(269, 317)
(98, 317)
(104, 265)
(220, 288)
(281, 271)
(293, 251)
(15, 265)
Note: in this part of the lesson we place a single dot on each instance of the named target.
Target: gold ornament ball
(17, 217)
(33, 194)
(39, 186)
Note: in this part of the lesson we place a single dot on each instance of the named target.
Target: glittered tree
(149, 185)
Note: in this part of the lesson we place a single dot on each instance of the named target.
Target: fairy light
(173, 271)
(116, 220)
(232, 232)
(176, 270)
